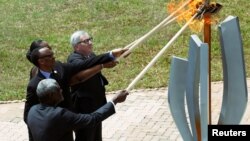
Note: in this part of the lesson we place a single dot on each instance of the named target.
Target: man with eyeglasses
(43, 58)
(90, 95)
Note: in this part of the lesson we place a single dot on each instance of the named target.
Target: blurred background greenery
(113, 24)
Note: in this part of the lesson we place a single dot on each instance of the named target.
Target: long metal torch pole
(138, 77)
(207, 39)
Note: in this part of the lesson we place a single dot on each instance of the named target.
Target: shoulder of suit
(35, 80)
(74, 56)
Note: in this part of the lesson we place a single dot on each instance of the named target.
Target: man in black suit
(90, 94)
(51, 123)
(80, 76)
(43, 58)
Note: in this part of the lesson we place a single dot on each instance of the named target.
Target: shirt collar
(45, 74)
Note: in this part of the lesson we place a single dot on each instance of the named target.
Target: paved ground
(144, 116)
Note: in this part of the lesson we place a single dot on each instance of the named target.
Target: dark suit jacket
(56, 124)
(62, 73)
(92, 91)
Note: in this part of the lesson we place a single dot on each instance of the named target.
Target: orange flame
(189, 11)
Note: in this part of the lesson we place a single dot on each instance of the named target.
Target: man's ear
(76, 47)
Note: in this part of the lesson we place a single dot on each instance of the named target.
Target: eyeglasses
(47, 56)
(86, 41)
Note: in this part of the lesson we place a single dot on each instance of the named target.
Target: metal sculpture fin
(235, 86)
(176, 96)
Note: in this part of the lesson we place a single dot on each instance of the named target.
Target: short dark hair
(34, 56)
(34, 45)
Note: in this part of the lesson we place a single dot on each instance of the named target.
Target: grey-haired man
(47, 122)
(89, 95)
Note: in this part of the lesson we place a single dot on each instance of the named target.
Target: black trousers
(30, 135)
(89, 134)
(85, 106)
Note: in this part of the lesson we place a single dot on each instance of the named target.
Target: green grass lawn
(113, 24)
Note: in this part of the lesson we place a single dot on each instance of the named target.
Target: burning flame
(189, 11)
